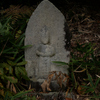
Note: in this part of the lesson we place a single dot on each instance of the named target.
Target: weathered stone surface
(45, 32)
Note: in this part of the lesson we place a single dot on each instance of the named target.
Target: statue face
(45, 50)
(45, 35)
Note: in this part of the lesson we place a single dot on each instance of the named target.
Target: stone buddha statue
(45, 51)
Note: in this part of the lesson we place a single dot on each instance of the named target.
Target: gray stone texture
(45, 32)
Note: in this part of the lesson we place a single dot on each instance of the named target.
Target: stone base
(53, 95)
(53, 86)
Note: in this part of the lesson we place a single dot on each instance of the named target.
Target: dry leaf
(13, 89)
(56, 76)
(67, 82)
(98, 76)
(44, 85)
(65, 78)
(77, 96)
(8, 84)
(68, 99)
(59, 81)
(80, 90)
(67, 91)
(29, 86)
(53, 72)
(66, 75)
(59, 73)
(48, 88)
(80, 71)
(2, 92)
(61, 77)
(49, 80)
(86, 99)
(51, 75)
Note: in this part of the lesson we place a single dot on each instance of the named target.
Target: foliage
(12, 71)
(19, 17)
(21, 95)
(17, 12)
(83, 68)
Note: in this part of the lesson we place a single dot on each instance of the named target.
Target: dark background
(59, 3)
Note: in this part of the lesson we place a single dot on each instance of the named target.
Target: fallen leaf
(48, 88)
(86, 99)
(2, 92)
(98, 76)
(59, 73)
(29, 86)
(8, 84)
(13, 89)
(66, 75)
(51, 75)
(80, 90)
(65, 78)
(67, 91)
(44, 85)
(80, 71)
(56, 76)
(59, 81)
(68, 99)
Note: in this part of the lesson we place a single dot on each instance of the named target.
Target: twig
(77, 68)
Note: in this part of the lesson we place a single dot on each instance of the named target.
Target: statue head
(45, 38)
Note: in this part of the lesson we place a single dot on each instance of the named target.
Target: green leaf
(0, 25)
(27, 46)
(22, 36)
(90, 79)
(7, 50)
(18, 59)
(5, 24)
(11, 63)
(25, 77)
(1, 71)
(21, 70)
(4, 65)
(6, 96)
(21, 63)
(34, 98)
(11, 58)
(10, 70)
(60, 63)
(11, 79)
(23, 73)
(17, 72)
(19, 94)
(90, 90)
(21, 41)
(97, 96)
(97, 82)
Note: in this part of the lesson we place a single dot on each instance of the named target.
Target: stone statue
(45, 51)
(45, 32)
